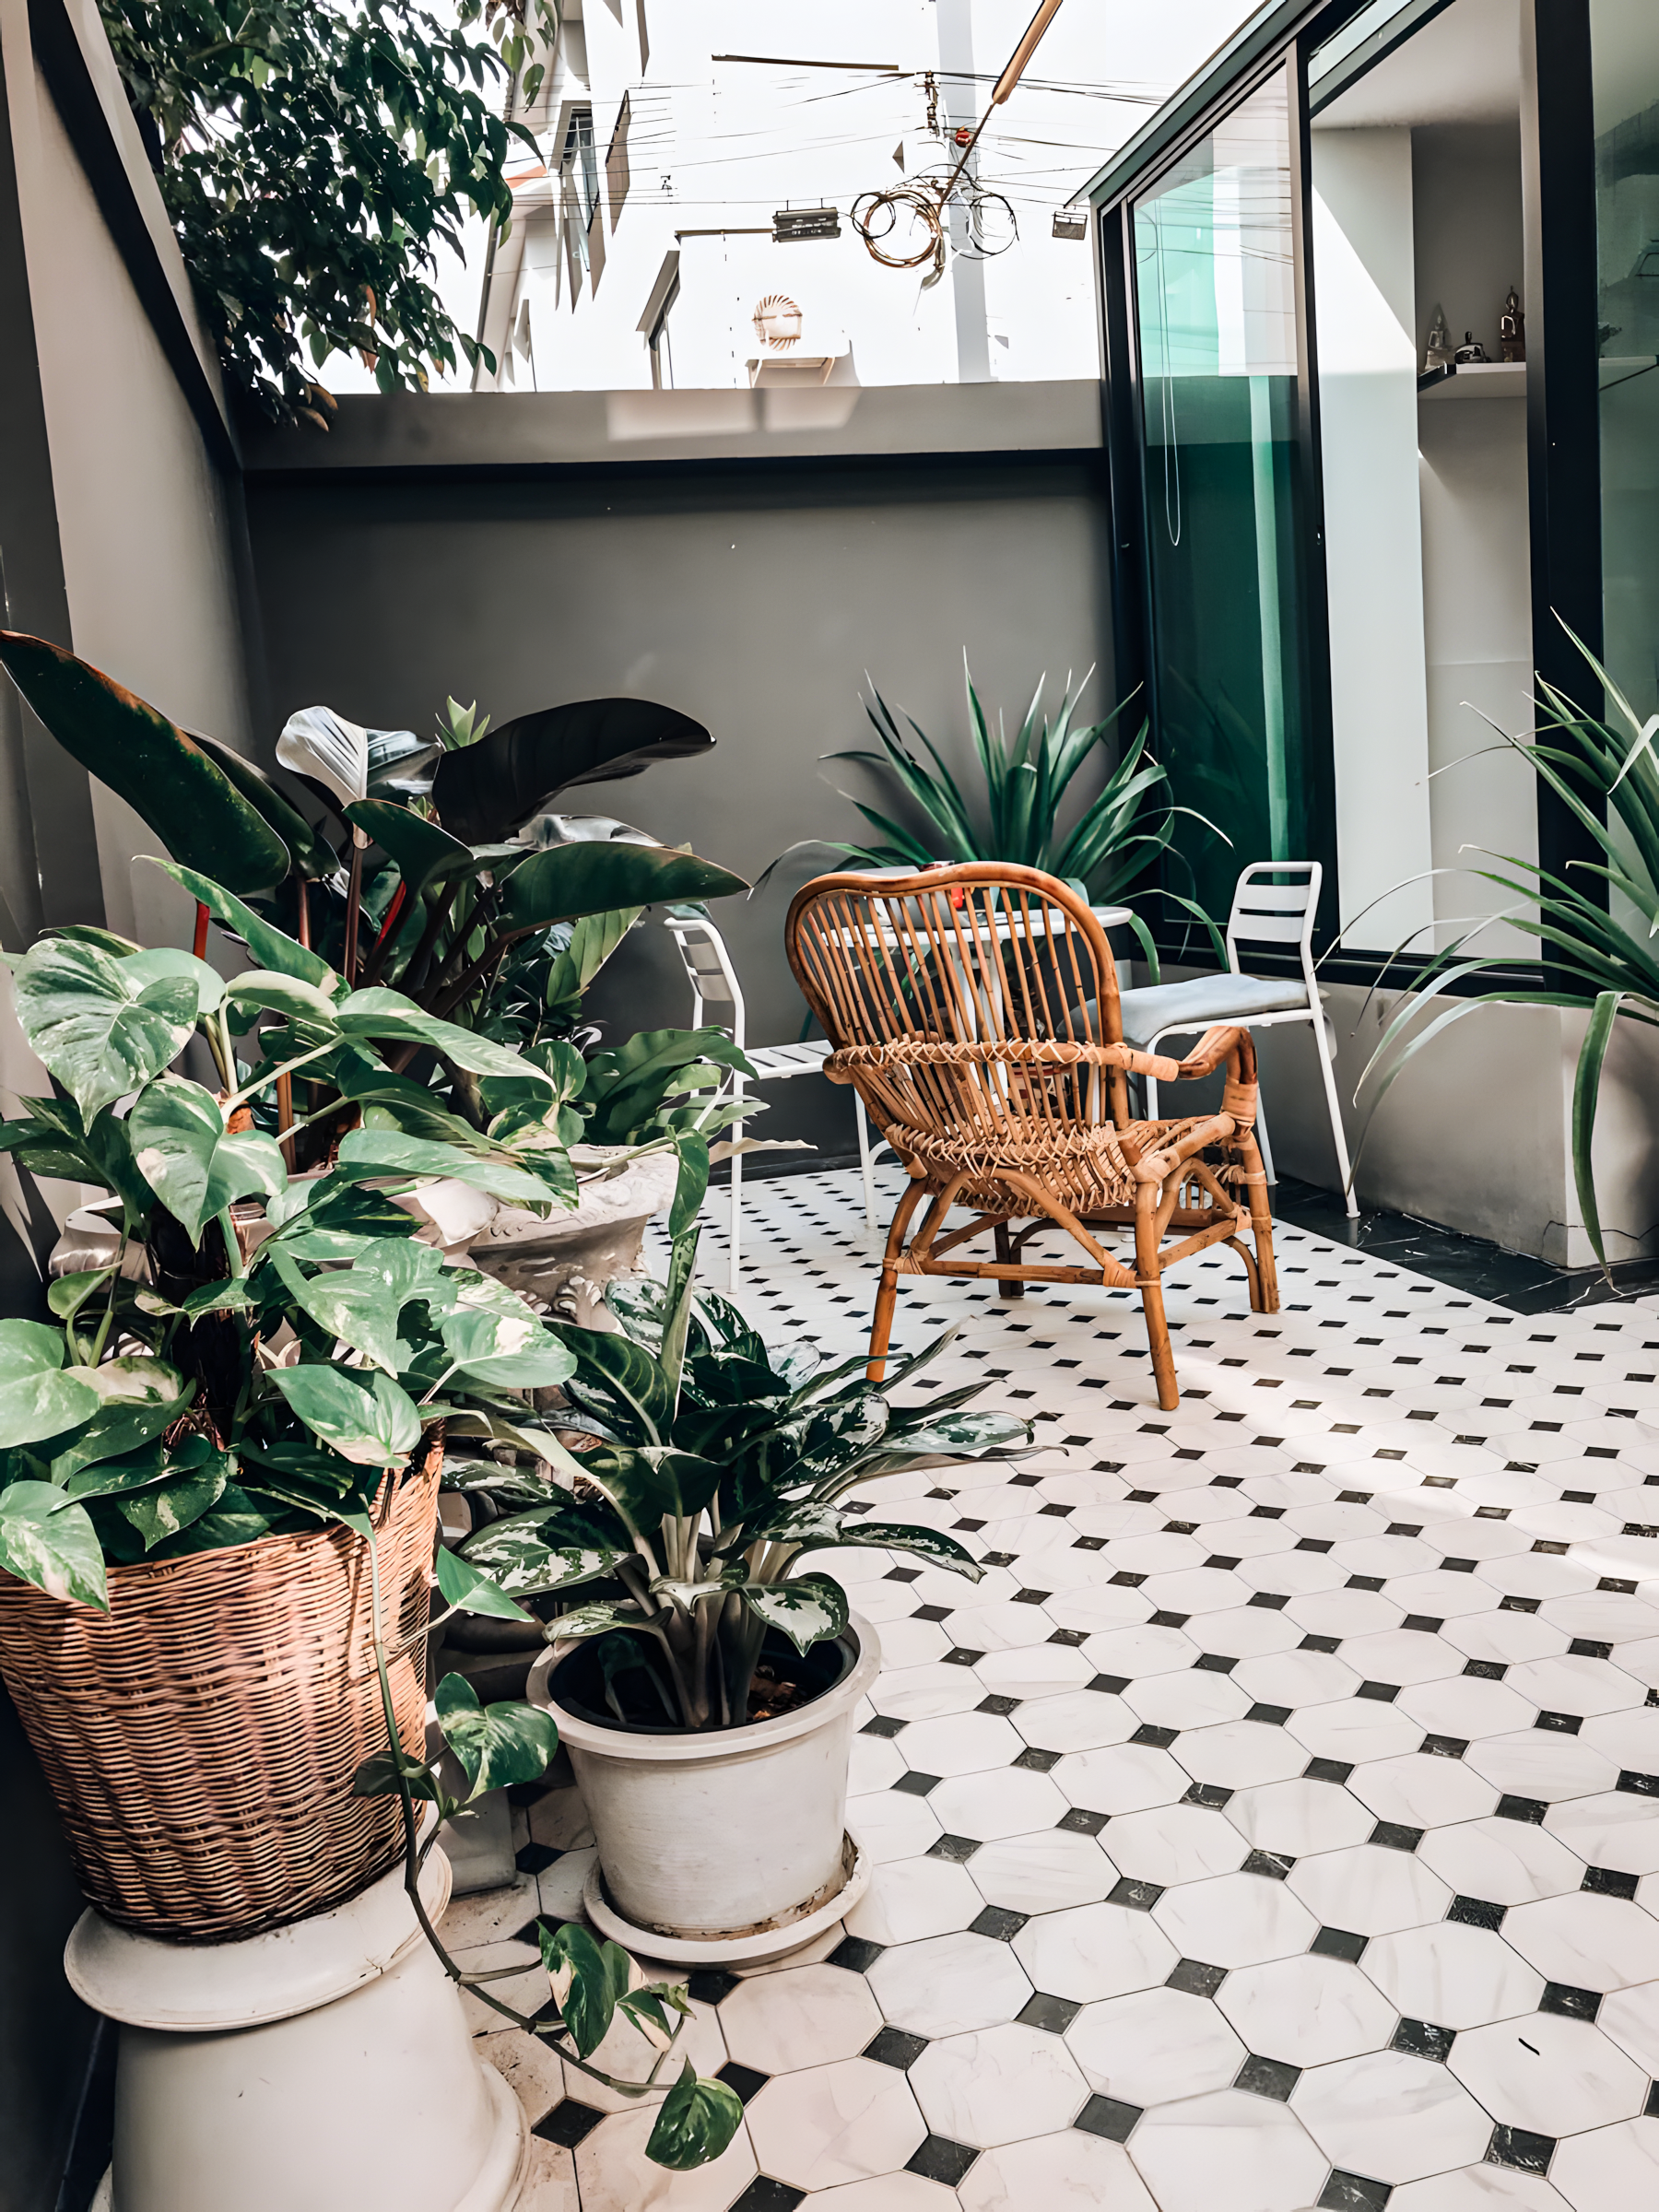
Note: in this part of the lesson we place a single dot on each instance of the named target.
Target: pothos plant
(214, 1384)
(716, 1469)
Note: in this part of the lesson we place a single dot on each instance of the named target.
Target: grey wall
(753, 597)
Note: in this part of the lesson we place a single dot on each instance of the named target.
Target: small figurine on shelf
(1439, 352)
(1512, 328)
(1471, 352)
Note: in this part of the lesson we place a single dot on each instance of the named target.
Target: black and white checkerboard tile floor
(1275, 1826)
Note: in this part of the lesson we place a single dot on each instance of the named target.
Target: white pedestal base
(326, 2065)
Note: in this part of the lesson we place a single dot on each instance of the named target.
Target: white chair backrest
(1269, 912)
(709, 970)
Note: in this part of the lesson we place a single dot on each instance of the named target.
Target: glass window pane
(1216, 300)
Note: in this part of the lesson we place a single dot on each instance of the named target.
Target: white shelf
(1479, 380)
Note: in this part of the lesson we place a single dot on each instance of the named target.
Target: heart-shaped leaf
(356, 1308)
(50, 1540)
(37, 1399)
(161, 1510)
(183, 794)
(101, 1032)
(142, 967)
(388, 1152)
(194, 1166)
(695, 2123)
(484, 792)
(501, 1349)
(372, 1422)
(588, 1981)
(497, 1745)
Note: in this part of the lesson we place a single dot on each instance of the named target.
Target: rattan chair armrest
(1215, 1046)
(1014, 1051)
(1157, 1167)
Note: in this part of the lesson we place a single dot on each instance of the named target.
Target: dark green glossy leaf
(37, 1399)
(268, 944)
(465, 1585)
(356, 1308)
(425, 854)
(183, 794)
(237, 1518)
(388, 1013)
(567, 881)
(161, 1510)
(486, 791)
(808, 1607)
(497, 1745)
(49, 1541)
(625, 1379)
(310, 853)
(388, 1152)
(588, 1980)
(380, 1776)
(377, 1425)
(697, 2122)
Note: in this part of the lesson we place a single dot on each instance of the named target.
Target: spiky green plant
(1120, 833)
(1607, 969)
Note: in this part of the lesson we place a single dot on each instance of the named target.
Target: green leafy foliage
(697, 2120)
(497, 1745)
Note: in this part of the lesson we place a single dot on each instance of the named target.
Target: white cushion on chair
(1206, 999)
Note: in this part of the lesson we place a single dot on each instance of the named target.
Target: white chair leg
(863, 1160)
(737, 1186)
(1322, 1044)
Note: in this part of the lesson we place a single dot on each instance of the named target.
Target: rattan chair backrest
(984, 956)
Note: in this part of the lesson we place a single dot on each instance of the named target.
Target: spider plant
(1120, 833)
(1606, 967)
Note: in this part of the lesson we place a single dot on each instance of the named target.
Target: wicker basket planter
(200, 1738)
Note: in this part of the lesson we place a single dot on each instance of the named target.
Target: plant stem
(354, 904)
(233, 1251)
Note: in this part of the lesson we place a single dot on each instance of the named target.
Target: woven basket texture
(200, 1738)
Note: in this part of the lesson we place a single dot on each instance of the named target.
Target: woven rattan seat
(975, 1009)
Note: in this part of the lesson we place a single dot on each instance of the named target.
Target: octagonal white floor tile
(1155, 2046)
(1246, 1631)
(1422, 1790)
(947, 1986)
(1347, 1612)
(883, 2193)
(834, 2123)
(1575, 1683)
(1601, 1616)
(1610, 2167)
(875, 1763)
(1630, 2017)
(1120, 1778)
(910, 1899)
(1552, 2075)
(1354, 1730)
(1299, 1816)
(1240, 1754)
(1616, 1830)
(919, 1693)
(1012, 1802)
(998, 1628)
(1034, 1670)
(1175, 1844)
(1077, 1720)
(1046, 1872)
(1094, 1951)
(1542, 1763)
(1507, 1862)
(1478, 2189)
(1453, 1974)
(1626, 1739)
(1308, 2011)
(615, 2175)
(1369, 1889)
(1197, 1699)
(1197, 1593)
(960, 1743)
(1071, 2172)
(1098, 1608)
(1139, 1650)
(1403, 1655)
(1228, 2152)
(1235, 1920)
(1588, 1941)
(1504, 1637)
(891, 1824)
(1296, 1678)
(906, 1642)
(997, 2086)
(806, 2015)
(1390, 2116)
(530, 2070)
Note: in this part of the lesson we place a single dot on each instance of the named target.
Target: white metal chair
(713, 982)
(1266, 910)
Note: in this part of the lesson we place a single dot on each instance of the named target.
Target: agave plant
(1122, 831)
(1607, 968)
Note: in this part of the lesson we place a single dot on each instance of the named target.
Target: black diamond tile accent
(1197, 1979)
(1140, 1896)
(1081, 1822)
(567, 2123)
(1090, 1543)
(1124, 1580)
(1486, 1670)
(998, 1924)
(1274, 1864)
(1363, 1582)
(1583, 1647)
(1650, 2111)
(1214, 1662)
(1425, 1622)
(1319, 1643)
(1520, 1604)
(1056, 2014)
(1564, 1723)
(1384, 1692)
(1109, 2117)
(1532, 1810)
(1444, 1747)
(940, 2159)
(1339, 1943)
(1424, 2039)
(1353, 2193)
(1274, 1716)
(1271, 1599)
(1610, 1882)
(996, 1704)
(918, 1785)
(536, 1858)
(855, 1953)
(1517, 2146)
(1071, 1636)
(1161, 1738)
(1394, 1835)
(1037, 1763)
(1212, 1794)
(931, 1613)
(1170, 1620)
(1111, 1686)
(1638, 1785)
(1268, 2077)
(745, 2080)
(709, 1985)
(961, 1656)
(765, 2195)
(957, 1848)
(883, 1725)
(902, 1574)
(1031, 1597)
(1574, 2004)
(1477, 1913)
(998, 1559)
(896, 2047)
(1327, 1770)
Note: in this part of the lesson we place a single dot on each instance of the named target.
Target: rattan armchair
(975, 1011)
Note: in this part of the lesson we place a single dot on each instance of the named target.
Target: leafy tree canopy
(312, 154)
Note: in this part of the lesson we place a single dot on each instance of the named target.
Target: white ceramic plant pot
(326, 2065)
(727, 1847)
(569, 1260)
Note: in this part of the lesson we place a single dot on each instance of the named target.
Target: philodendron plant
(717, 1469)
(226, 1379)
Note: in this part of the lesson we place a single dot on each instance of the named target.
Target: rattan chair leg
(886, 1295)
(1150, 1272)
(1261, 1220)
(1007, 1255)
